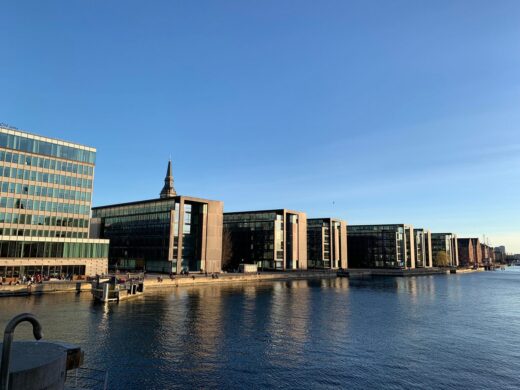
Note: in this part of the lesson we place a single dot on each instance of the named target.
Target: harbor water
(445, 331)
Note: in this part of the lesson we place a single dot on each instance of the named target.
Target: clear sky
(372, 111)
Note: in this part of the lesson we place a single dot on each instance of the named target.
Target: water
(453, 332)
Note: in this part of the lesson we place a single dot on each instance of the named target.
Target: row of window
(41, 177)
(43, 205)
(41, 220)
(251, 217)
(27, 249)
(17, 188)
(141, 208)
(41, 233)
(24, 159)
(45, 270)
(29, 145)
(138, 218)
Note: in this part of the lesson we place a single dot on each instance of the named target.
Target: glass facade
(324, 242)
(257, 237)
(378, 246)
(269, 239)
(45, 193)
(36, 145)
(142, 238)
(447, 243)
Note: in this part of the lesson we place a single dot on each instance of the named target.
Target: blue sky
(372, 111)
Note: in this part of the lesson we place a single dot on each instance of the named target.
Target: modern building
(423, 248)
(475, 242)
(470, 253)
(46, 191)
(466, 254)
(326, 243)
(488, 254)
(168, 234)
(381, 246)
(445, 250)
(272, 239)
(500, 254)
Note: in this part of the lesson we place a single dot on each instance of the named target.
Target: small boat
(117, 287)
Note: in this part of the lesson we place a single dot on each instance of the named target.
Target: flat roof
(189, 198)
(331, 218)
(25, 134)
(385, 224)
(265, 211)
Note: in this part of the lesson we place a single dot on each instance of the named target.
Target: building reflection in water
(288, 323)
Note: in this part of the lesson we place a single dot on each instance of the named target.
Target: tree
(227, 250)
(441, 260)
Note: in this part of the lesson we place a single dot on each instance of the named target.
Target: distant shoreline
(196, 279)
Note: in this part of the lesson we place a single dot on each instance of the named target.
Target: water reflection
(357, 333)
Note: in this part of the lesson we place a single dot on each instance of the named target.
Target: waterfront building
(470, 253)
(445, 244)
(326, 243)
(466, 254)
(272, 239)
(423, 248)
(381, 246)
(500, 254)
(46, 191)
(475, 243)
(169, 234)
(488, 255)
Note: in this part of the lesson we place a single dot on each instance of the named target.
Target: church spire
(168, 190)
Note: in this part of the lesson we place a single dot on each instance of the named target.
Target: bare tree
(441, 260)
(227, 250)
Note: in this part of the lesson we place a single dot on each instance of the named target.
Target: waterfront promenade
(161, 281)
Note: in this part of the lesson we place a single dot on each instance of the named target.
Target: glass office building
(381, 246)
(326, 243)
(46, 190)
(447, 243)
(168, 234)
(272, 239)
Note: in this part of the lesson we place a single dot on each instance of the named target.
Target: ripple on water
(457, 332)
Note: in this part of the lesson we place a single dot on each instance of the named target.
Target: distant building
(272, 239)
(445, 243)
(423, 248)
(500, 254)
(488, 255)
(470, 254)
(172, 233)
(46, 191)
(501, 249)
(326, 243)
(466, 254)
(381, 246)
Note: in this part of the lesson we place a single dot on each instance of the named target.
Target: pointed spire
(168, 190)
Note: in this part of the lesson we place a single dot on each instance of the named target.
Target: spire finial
(168, 190)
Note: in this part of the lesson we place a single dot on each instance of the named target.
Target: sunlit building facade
(423, 248)
(445, 243)
(272, 239)
(46, 191)
(381, 246)
(326, 243)
(169, 234)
